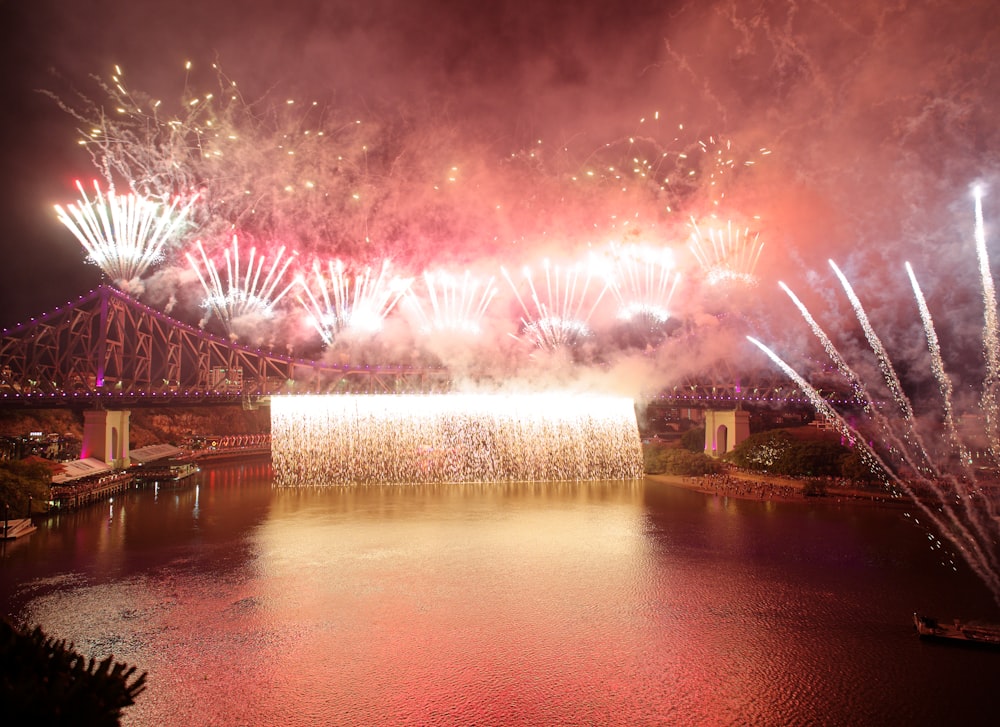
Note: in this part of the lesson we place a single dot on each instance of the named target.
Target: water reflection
(590, 603)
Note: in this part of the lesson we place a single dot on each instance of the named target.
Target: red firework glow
(345, 190)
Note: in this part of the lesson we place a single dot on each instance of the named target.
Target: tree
(778, 452)
(761, 452)
(44, 681)
(814, 458)
(660, 460)
(853, 467)
(694, 439)
(21, 480)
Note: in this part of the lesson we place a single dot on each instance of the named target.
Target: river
(604, 603)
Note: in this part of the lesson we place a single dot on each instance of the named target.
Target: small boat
(171, 471)
(970, 632)
(183, 470)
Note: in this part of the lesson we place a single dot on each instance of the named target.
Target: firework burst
(666, 159)
(244, 293)
(643, 282)
(558, 314)
(123, 235)
(269, 168)
(341, 300)
(721, 166)
(726, 253)
(451, 303)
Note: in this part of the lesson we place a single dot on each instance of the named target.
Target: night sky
(879, 116)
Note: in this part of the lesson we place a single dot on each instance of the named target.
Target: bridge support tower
(724, 430)
(105, 437)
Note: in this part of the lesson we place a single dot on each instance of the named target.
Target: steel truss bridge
(108, 350)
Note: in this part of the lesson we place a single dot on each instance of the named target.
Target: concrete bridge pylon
(724, 430)
(105, 436)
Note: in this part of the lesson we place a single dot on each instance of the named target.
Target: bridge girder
(108, 344)
(108, 349)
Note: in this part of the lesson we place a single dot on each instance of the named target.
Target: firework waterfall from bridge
(108, 353)
(320, 441)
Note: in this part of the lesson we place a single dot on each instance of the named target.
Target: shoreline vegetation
(770, 488)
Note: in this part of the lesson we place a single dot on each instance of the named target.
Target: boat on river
(169, 472)
(970, 632)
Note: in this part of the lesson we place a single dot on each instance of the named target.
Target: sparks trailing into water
(341, 300)
(124, 235)
(330, 440)
(559, 312)
(450, 303)
(245, 293)
(943, 479)
(726, 253)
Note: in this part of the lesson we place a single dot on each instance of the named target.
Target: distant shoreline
(761, 487)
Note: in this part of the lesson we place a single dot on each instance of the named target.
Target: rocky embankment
(755, 486)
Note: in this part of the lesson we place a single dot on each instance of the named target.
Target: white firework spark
(451, 303)
(124, 235)
(726, 253)
(342, 300)
(558, 314)
(244, 292)
(643, 282)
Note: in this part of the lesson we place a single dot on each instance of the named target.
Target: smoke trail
(858, 388)
(966, 496)
(982, 563)
(831, 350)
(991, 338)
(937, 365)
(888, 372)
(963, 512)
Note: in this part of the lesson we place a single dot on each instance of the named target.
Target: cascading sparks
(331, 440)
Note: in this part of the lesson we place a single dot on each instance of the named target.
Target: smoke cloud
(877, 120)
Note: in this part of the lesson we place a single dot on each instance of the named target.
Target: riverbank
(757, 486)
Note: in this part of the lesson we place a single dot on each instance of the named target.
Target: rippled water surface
(547, 604)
